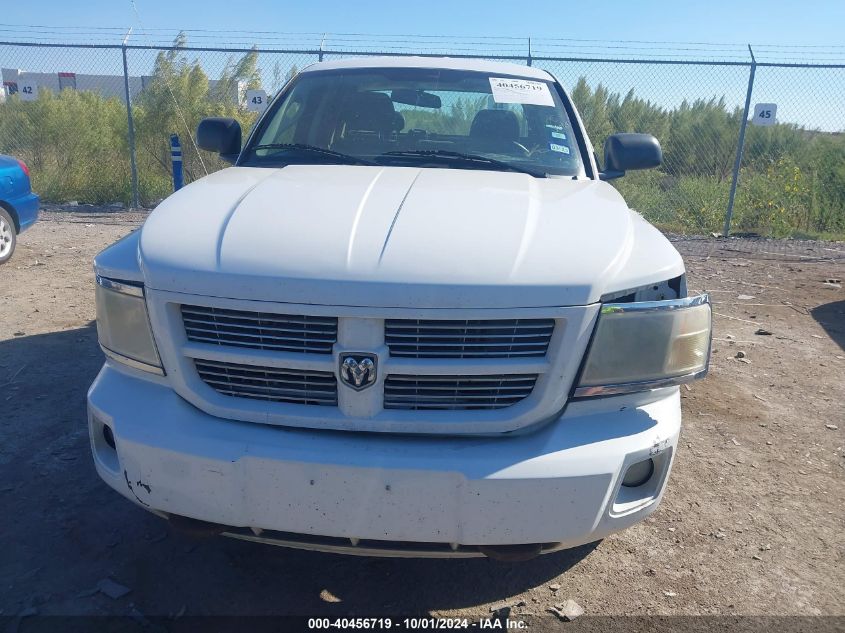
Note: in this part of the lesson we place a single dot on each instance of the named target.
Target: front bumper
(560, 484)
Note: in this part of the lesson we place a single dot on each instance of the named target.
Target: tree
(176, 99)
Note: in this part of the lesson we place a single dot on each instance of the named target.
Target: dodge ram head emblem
(358, 370)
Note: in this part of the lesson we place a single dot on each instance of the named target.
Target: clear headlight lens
(645, 345)
(123, 327)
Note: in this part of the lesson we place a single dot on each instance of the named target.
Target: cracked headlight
(123, 327)
(645, 345)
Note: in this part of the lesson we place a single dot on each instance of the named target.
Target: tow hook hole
(108, 436)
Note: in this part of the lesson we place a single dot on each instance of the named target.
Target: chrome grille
(456, 392)
(269, 383)
(468, 339)
(260, 330)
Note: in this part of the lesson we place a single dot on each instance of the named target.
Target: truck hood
(400, 237)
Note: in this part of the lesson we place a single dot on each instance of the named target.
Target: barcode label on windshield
(520, 91)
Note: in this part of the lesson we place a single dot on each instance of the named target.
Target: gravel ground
(751, 524)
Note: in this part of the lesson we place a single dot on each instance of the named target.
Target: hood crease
(228, 217)
(358, 213)
(396, 216)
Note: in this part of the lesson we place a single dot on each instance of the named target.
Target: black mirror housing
(221, 135)
(626, 151)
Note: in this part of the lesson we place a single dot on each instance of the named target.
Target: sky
(811, 22)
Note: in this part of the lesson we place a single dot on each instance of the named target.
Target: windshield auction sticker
(520, 91)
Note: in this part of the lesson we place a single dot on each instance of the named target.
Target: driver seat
(368, 120)
(494, 131)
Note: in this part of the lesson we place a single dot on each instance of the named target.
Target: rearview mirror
(221, 135)
(419, 98)
(630, 151)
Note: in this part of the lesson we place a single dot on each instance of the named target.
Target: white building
(107, 85)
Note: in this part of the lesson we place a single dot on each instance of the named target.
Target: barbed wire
(481, 45)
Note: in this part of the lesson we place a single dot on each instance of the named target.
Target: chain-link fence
(94, 123)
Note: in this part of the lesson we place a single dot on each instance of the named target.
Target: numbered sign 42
(256, 100)
(28, 92)
(765, 114)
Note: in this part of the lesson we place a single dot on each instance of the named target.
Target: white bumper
(560, 484)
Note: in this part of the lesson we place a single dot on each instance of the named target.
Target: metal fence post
(740, 144)
(131, 127)
(529, 51)
(176, 162)
(133, 166)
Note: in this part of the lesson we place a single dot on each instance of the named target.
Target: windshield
(419, 117)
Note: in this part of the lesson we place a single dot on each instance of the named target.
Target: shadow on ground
(831, 316)
(63, 530)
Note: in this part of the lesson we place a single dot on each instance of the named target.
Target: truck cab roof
(451, 63)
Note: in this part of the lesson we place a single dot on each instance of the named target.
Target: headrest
(501, 125)
(370, 111)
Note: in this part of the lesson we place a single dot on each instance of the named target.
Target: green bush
(74, 143)
(792, 180)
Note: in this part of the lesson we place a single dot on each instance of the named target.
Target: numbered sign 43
(256, 100)
(765, 114)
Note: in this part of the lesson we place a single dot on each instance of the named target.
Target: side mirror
(630, 151)
(221, 135)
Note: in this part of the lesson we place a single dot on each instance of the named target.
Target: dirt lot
(752, 522)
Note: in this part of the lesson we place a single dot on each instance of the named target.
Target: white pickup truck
(411, 320)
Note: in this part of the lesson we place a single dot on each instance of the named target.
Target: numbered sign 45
(765, 114)
(256, 100)
(28, 92)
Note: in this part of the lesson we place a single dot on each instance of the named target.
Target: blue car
(18, 205)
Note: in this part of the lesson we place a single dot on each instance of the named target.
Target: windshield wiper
(465, 158)
(302, 147)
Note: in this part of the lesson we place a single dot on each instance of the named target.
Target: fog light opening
(638, 474)
(108, 436)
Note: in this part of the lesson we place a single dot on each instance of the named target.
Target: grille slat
(410, 389)
(484, 324)
(480, 380)
(464, 344)
(456, 392)
(214, 368)
(458, 337)
(269, 383)
(274, 394)
(468, 339)
(245, 315)
(263, 335)
(490, 354)
(212, 326)
(265, 346)
(259, 330)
